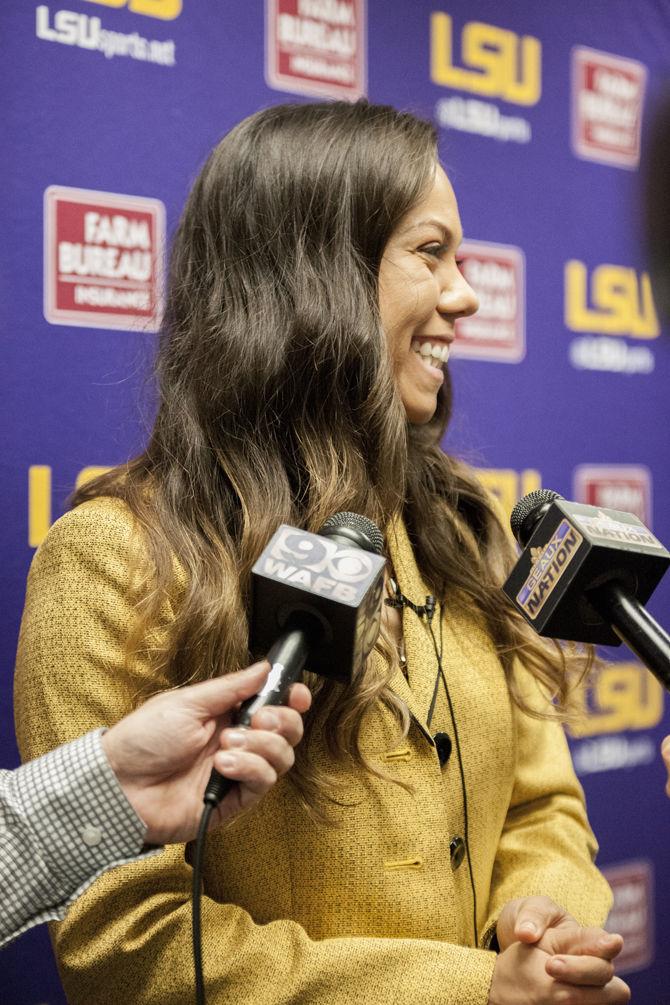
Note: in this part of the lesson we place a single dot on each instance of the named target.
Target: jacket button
(443, 746)
(456, 852)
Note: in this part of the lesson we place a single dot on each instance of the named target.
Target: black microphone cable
(195, 902)
(430, 610)
(292, 644)
(427, 611)
(303, 633)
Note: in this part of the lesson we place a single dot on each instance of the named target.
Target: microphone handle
(287, 658)
(635, 626)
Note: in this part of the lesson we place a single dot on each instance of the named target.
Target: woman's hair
(277, 403)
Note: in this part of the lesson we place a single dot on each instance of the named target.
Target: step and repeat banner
(561, 380)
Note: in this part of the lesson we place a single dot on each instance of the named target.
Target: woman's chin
(420, 410)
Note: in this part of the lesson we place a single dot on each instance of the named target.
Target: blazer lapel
(417, 690)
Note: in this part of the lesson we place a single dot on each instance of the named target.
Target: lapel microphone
(399, 600)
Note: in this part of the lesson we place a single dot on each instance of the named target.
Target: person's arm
(94, 803)
(128, 938)
(64, 820)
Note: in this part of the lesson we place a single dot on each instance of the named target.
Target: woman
(313, 294)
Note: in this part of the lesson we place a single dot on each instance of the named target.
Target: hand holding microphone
(316, 597)
(163, 752)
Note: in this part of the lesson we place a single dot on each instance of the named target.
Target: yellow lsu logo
(622, 696)
(503, 65)
(508, 485)
(622, 302)
(165, 10)
(39, 498)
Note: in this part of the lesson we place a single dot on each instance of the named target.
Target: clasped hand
(548, 958)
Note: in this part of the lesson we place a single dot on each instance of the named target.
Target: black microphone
(585, 573)
(315, 596)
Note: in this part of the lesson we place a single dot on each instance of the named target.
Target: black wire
(438, 654)
(195, 918)
(433, 700)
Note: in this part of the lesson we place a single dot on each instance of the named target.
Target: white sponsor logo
(85, 31)
(316, 47)
(624, 487)
(607, 98)
(632, 914)
(497, 330)
(598, 352)
(609, 529)
(469, 115)
(102, 259)
(610, 753)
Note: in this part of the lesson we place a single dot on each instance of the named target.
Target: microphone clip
(399, 600)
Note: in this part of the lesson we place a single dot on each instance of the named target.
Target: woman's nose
(458, 299)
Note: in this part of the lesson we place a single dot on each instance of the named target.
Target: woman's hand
(548, 958)
(163, 753)
(541, 922)
(521, 977)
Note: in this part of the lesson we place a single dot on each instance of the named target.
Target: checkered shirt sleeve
(64, 820)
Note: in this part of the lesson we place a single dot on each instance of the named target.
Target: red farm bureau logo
(497, 330)
(316, 47)
(624, 487)
(607, 98)
(632, 914)
(102, 259)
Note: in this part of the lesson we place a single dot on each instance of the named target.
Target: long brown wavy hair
(277, 402)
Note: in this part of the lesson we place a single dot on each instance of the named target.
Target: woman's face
(421, 294)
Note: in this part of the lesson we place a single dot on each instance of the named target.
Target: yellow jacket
(369, 911)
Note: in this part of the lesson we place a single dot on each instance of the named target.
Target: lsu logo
(621, 696)
(498, 63)
(164, 10)
(622, 302)
(508, 485)
(40, 498)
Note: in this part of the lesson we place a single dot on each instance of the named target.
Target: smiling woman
(422, 293)
(302, 370)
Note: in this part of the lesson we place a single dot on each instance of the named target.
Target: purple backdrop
(561, 380)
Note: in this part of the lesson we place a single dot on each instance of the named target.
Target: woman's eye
(436, 250)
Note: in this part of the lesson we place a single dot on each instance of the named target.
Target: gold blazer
(369, 910)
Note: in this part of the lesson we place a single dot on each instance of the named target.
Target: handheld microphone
(584, 575)
(316, 597)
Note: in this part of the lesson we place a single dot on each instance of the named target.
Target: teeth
(432, 354)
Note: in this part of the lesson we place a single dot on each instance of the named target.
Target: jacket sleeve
(128, 938)
(547, 846)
